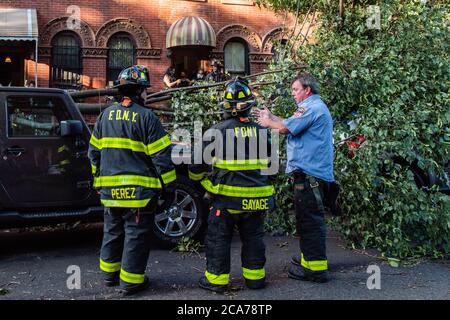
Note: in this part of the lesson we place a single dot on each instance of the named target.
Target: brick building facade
(86, 41)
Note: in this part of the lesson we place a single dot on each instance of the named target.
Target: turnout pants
(221, 224)
(309, 195)
(126, 245)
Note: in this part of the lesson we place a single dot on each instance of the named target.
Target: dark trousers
(311, 226)
(126, 244)
(218, 243)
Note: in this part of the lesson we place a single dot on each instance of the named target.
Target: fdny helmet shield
(237, 96)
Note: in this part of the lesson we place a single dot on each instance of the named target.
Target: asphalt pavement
(39, 265)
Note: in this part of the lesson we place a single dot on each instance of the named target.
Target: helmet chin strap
(235, 114)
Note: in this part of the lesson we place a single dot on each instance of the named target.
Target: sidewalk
(33, 266)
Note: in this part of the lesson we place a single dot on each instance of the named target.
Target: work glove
(167, 198)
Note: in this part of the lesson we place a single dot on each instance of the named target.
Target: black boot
(111, 279)
(130, 289)
(295, 260)
(205, 284)
(256, 284)
(300, 273)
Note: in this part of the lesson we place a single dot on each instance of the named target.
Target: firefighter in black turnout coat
(130, 156)
(240, 193)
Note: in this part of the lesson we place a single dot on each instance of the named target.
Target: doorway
(189, 59)
(12, 69)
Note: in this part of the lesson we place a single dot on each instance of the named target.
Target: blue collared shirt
(310, 139)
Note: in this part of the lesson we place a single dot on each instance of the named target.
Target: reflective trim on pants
(109, 267)
(222, 279)
(319, 265)
(131, 277)
(257, 274)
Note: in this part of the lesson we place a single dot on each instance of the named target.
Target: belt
(298, 174)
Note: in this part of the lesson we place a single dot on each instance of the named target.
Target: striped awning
(18, 24)
(190, 31)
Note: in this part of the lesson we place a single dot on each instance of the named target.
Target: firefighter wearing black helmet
(240, 193)
(130, 156)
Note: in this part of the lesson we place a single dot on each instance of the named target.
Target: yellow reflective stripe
(257, 274)
(129, 277)
(233, 191)
(232, 211)
(63, 148)
(109, 267)
(158, 145)
(127, 180)
(318, 265)
(121, 143)
(125, 203)
(170, 176)
(95, 142)
(125, 143)
(221, 279)
(94, 168)
(196, 176)
(249, 164)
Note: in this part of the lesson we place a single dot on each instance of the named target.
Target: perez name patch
(123, 193)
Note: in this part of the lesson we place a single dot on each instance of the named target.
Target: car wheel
(185, 218)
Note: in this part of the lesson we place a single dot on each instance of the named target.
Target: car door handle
(16, 151)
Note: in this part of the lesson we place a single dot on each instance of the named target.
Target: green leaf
(393, 262)
(4, 291)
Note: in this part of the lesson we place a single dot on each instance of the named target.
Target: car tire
(186, 219)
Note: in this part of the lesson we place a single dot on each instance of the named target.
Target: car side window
(35, 116)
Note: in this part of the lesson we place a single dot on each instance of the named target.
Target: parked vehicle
(45, 174)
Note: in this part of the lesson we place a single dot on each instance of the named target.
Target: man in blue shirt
(310, 164)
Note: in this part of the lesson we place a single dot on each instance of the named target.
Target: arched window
(122, 54)
(66, 66)
(236, 57)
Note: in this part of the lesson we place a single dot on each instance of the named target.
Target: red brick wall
(155, 16)
(94, 72)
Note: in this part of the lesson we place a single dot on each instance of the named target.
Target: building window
(236, 57)
(122, 54)
(66, 66)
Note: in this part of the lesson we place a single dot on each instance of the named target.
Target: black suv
(45, 172)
